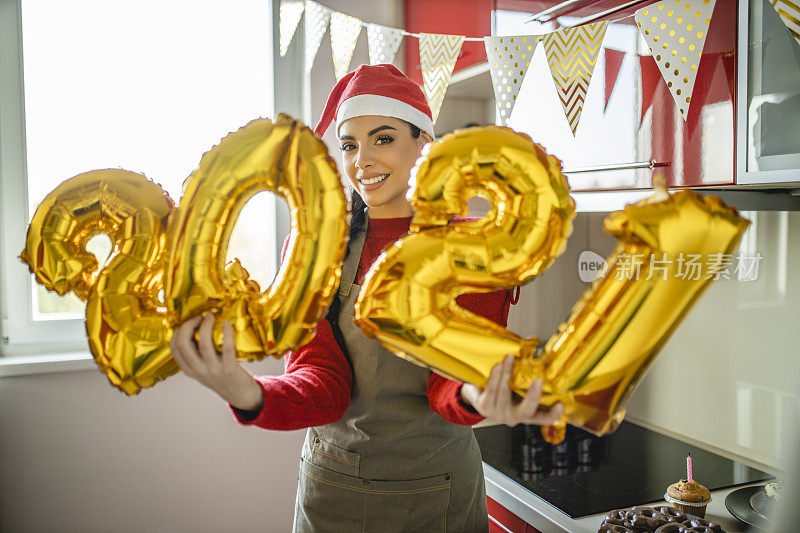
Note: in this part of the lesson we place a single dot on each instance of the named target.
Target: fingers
(208, 351)
(530, 404)
(182, 346)
(503, 403)
(546, 418)
(228, 346)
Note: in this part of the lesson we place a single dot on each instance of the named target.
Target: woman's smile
(370, 182)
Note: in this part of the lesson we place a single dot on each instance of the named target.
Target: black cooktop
(586, 475)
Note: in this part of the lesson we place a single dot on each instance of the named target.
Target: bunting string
(675, 34)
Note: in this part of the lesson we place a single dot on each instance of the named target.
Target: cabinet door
(769, 133)
(629, 115)
(501, 520)
(471, 18)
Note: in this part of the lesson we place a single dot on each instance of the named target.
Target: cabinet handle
(499, 524)
(618, 166)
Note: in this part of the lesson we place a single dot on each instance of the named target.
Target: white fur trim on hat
(373, 104)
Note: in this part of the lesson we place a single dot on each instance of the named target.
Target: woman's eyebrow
(370, 134)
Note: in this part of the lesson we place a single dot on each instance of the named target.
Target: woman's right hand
(220, 372)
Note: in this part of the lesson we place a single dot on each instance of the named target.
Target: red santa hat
(376, 90)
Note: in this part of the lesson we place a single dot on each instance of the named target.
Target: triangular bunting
(676, 34)
(571, 54)
(613, 61)
(383, 43)
(317, 18)
(789, 12)
(344, 34)
(509, 59)
(651, 77)
(437, 56)
(291, 11)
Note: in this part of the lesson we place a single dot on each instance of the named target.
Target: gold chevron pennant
(509, 59)
(676, 33)
(437, 56)
(344, 34)
(789, 12)
(571, 54)
(317, 18)
(383, 43)
(291, 11)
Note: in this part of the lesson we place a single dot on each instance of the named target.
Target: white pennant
(383, 43)
(509, 59)
(437, 56)
(676, 33)
(291, 11)
(317, 18)
(344, 34)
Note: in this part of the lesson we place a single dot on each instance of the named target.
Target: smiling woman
(377, 156)
(388, 442)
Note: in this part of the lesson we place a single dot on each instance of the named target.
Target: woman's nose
(364, 159)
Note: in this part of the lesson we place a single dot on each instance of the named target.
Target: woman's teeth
(376, 179)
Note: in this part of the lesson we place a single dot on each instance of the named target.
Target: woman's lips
(373, 182)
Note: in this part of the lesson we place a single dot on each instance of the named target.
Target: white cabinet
(768, 107)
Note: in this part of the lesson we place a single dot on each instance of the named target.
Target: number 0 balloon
(182, 251)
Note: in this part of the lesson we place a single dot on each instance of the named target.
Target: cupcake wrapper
(670, 499)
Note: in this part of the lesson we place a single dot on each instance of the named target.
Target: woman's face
(378, 153)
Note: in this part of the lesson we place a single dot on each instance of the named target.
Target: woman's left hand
(497, 401)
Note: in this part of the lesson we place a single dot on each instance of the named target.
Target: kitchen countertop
(548, 519)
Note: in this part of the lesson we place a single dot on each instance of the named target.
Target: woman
(389, 445)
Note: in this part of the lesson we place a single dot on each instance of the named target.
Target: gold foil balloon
(614, 331)
(287, 159)
(125, 321)
(408, 297)
(182, 251)
(668, 253)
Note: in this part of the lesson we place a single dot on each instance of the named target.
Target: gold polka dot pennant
(675, 31)
(317, 18)
(290, 13)
(383, 43)
(789, 12)
(344, 35)
(509, 59)
(571, 54)
(437, 57)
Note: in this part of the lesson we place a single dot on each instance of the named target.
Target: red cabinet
(471, 18)
(501, 520)
(629, 115)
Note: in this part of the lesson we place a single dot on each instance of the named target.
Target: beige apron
(390, 463)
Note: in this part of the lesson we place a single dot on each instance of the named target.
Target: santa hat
(376, 90)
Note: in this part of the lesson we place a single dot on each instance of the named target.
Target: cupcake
(688, 496)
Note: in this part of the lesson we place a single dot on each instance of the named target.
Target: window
(147, 86)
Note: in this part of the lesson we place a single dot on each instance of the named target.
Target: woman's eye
(384, 139)
(347, 147)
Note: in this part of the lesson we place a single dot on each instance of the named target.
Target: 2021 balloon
(182, 251)
(615, 330)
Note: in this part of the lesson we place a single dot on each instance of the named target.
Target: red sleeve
(314, 390)
(444, 394)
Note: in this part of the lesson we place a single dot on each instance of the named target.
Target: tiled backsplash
(729, 377)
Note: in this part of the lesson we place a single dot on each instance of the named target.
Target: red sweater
(315, 388)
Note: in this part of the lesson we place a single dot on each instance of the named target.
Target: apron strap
(350, 266)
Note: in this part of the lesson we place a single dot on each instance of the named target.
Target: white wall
(77, 455)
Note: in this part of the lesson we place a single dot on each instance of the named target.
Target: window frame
(65, 348)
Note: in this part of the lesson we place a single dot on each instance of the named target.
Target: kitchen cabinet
(768, 144)
(501, 520)
(472, 18)
(629, 118)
